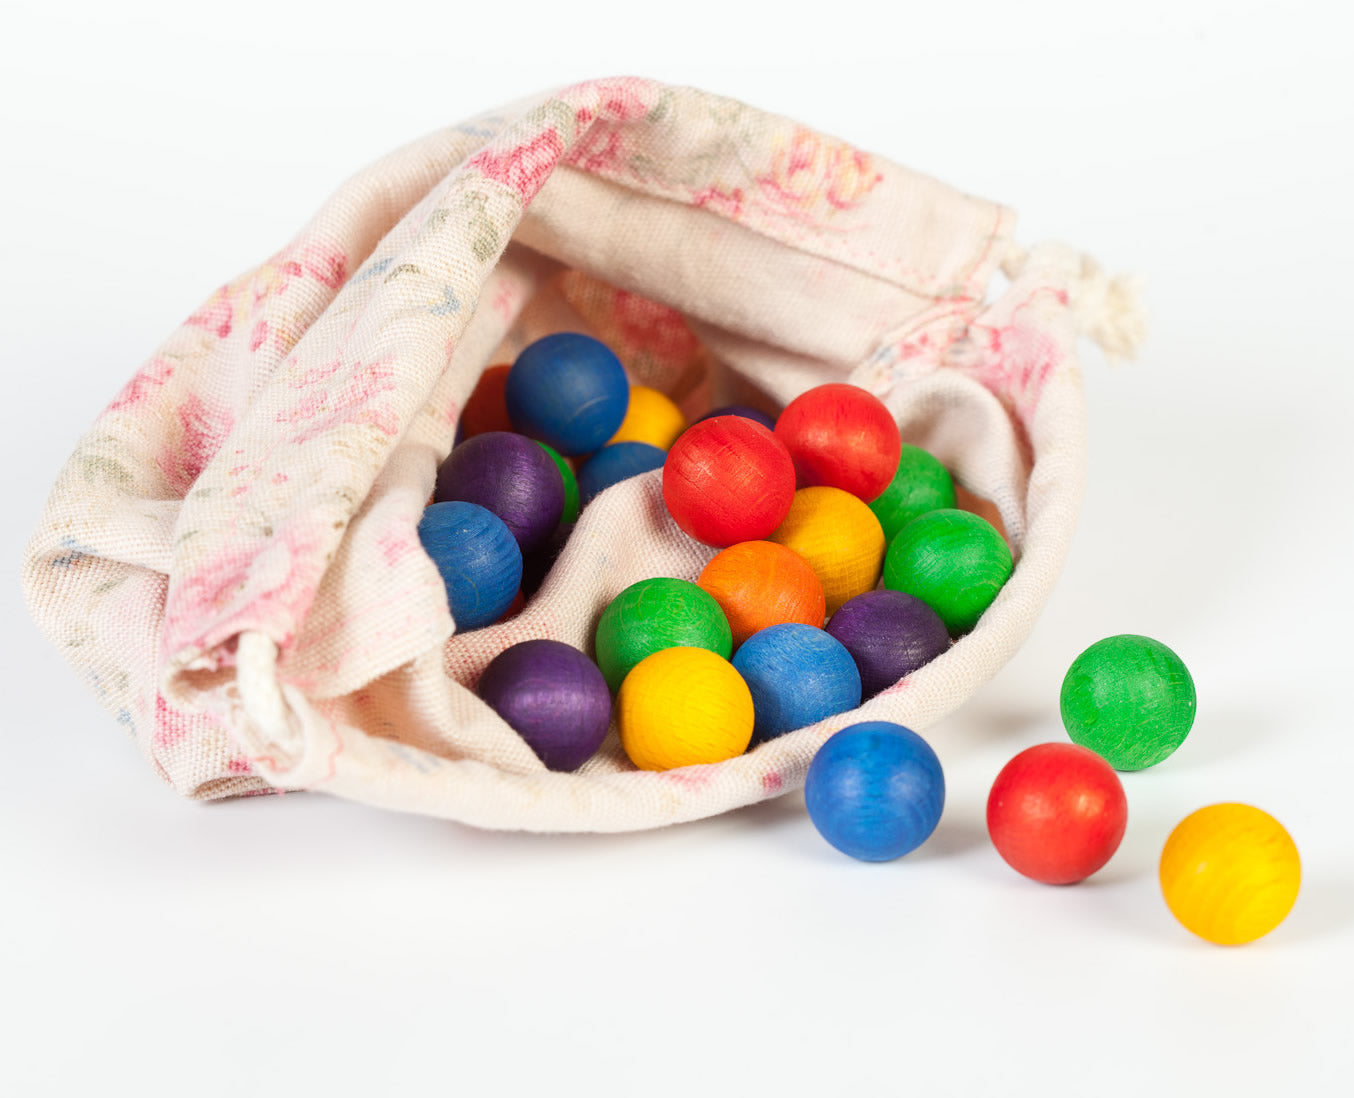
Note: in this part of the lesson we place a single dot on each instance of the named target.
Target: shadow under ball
(509, 475)
(953, 561)
(841, 436)
(553, 696)
(889, 634)
(654, 614)
(479, 559)
(1057, 813)
(569, 390)
(614, 463)
(728, 480)
(875, 791)
(798, 676)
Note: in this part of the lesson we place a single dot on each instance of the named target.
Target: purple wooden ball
(509, 475)
(553, 696)
(889, 634)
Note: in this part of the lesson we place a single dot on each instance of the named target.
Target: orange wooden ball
(839, 537)
(486, 409)
(760, 583)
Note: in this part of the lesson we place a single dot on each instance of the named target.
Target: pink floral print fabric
(230, 560)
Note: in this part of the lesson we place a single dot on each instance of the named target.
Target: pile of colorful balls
(789, 624)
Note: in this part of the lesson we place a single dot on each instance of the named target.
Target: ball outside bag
(1130, 699)
(875, 791)
(1230, 873)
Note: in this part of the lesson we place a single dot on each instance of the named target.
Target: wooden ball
(1057, 813)
(654, 614)
(683, 707)
(486, 409)
(798, 676)
(953, 561)
(1130, 699)
(479, 559)
(1230, 873)
(840, 539)
(746, 411)
(512, 477)
(759, 584)
(652, 417)
(552, 696)
(920, 484)
(889, 634)
(843, 437)
(569, 390)
(875, 791)
(728, 480)
(615, 463)
(566, 472)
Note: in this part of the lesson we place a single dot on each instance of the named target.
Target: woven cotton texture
(230, 558)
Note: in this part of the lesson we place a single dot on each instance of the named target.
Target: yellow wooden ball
(652, 418)
(1230, 873)
(683, 706)
(840, 538)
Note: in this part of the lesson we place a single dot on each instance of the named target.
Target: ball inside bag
(653, 614)
(509, 475)
(954, 561)
(840, 539)
(614, 463)
(841, 436)
(728, 480)
(683, 707)
(889, 634)
(553, 696)
(798, 675)
(569, 390)
(1230, 873)
(479, 559)
(875, 791)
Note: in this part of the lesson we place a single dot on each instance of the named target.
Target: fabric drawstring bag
(230, 559)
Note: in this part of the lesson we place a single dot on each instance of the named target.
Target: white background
(301, 944)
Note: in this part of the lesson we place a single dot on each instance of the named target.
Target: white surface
(156, 946)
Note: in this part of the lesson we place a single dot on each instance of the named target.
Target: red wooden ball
(486, 409)
(727, 480)
(843, 437)
(1057, 812)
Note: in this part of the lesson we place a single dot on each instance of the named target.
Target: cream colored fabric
(230, 558)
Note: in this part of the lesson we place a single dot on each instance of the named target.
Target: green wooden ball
(654, 614)
(954, 561)
(1130, 699)
(570, 483)
(921, 484)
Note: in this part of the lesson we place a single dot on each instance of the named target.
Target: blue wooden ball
(798, 675)
(875, 791)
(568, 390)
(615, 463)
(478, 557)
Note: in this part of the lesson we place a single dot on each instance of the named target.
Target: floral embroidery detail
(171, 726)
(729, 203)
(809, 170)
(203, 428)
(351, 402)
(524, 168)
(150, 377)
